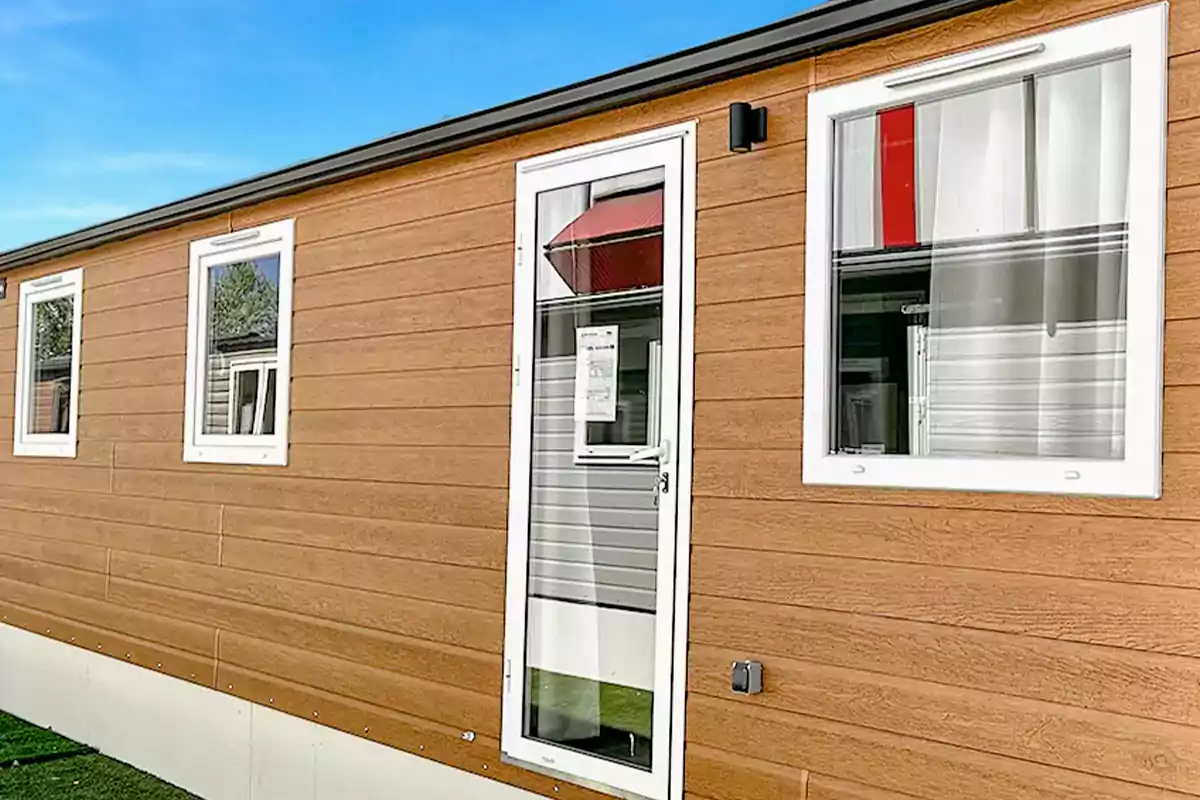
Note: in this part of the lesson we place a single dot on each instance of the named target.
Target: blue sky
(113, 106)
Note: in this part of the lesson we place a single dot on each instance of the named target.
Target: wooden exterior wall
(934, 645)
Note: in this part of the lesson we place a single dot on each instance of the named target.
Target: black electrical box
(747, 677)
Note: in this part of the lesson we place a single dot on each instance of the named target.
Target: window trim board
(31, 292)
(275, 238)
(1142, 33)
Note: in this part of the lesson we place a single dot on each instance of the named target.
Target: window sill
(1127, 478)
(246, 455)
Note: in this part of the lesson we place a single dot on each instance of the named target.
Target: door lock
(664, 483)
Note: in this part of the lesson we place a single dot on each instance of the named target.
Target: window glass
(242, 325)
(981, 263)
(592, 580)
(53, 337)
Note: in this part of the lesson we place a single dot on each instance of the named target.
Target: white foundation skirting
(214, 745)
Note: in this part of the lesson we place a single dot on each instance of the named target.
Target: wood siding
(917, 644)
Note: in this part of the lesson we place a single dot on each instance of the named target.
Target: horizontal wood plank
(185, 636)
(165, 542)
(443, 544)
(764, 424)
(156, 316)
(721, 775)
(480, 346)
(467, 230)
(454, 666)
(488, 386)
(750, 374)
(467, 269)
(478, 630)
(1151, 618)
(756, 225)
(467, 506)
(1126, 748)
(821, 787)
(462, 309)
(408, 203)
(768, 172)
(135, 293)
(448, 427)
(755, 275)
(750, 325)
(892, 762)
(108, 508)
(424, 696)
(389, 575)
(1162, 552)
(177, 663)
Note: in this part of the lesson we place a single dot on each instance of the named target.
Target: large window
(239, 344)
(985, 275)
(47, 396)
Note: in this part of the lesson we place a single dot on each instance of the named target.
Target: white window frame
(276, 238)
(260, 367)
(665, 781)
(1142, 34)
(40, 290)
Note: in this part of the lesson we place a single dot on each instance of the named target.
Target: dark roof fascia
(829, 26)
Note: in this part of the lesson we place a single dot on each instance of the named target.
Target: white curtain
(556, 210)
(1026, 340)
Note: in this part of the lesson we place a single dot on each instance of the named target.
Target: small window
(47, 397)
(239, 346)
(985, 290)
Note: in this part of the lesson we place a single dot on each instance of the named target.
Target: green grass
(622, 708)
(37, 764)
(87, 777)
(21, 742)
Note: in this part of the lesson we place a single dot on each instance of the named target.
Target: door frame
(664, 782)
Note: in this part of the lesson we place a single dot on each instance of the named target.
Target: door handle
(661, 452)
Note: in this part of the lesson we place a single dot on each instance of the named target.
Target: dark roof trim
(832, 25)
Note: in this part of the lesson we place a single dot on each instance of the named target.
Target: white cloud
(20, 16)
(170, 161)
(78, 213)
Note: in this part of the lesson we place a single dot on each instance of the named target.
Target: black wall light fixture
(747, 127)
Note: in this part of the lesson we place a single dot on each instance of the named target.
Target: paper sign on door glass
(596, 374)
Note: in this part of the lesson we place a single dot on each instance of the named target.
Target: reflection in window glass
(53, 337)
(243, 324)
(594, 523)
(981, 270)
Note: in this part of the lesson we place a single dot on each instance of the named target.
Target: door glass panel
(53, 339)
(590, 626)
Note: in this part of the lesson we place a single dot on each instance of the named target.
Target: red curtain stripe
(898, 171)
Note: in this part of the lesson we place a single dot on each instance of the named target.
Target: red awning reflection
(616, 244)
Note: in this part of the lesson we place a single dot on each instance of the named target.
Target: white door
(590, 640)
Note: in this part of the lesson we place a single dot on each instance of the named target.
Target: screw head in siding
(229, 687)
(422, 747)
(468, 736)
(72, 639)
(367, 729)
(485, 767)
(159, 665)
(128, 656)
(271, 700)
(315, 715)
